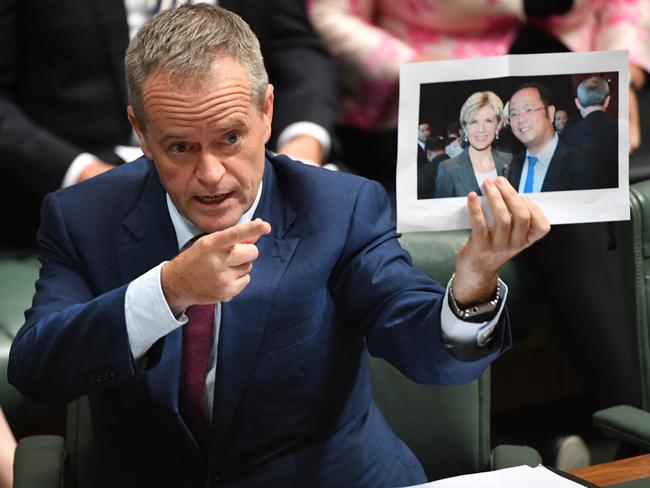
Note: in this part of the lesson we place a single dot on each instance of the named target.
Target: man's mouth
(213, 198)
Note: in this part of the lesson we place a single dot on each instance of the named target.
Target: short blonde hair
(476, 102)
(183, 43)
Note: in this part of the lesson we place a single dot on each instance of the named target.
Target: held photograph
(554, 125)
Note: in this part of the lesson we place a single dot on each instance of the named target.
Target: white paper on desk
(435, 91)
(538, 477)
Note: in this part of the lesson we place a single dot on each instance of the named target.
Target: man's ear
(578, 104)
(606, 102)
(551, 114)
(268, 113)
(133, 119)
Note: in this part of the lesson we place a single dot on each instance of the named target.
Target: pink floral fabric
(373, 37)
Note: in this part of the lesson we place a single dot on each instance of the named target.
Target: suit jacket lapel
(244, 318)
(114, 33)
(147, 240)
(557, 169)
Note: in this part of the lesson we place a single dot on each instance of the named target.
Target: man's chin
(216, 221)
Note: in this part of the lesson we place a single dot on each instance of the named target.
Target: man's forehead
(525, 95)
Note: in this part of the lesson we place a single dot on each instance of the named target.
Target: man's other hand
(303, 148)
(518, 222)
(215, 268)
(93, 169)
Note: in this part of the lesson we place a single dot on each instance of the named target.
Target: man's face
(531, 122)
(561, 118)
(424, 132)
(207, 140)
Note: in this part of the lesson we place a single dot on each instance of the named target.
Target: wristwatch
(481, 312)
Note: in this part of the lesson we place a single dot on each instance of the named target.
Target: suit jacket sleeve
(302, 71)
(30, 148)
(72, 342)
(397, 306)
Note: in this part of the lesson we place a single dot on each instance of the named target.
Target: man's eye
(181, 147)
(232, 138)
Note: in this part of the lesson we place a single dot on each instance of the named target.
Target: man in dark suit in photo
(63, 96)
(435, 152)
(242, 359)
(424, 133)
(547, 164)
(596, 133)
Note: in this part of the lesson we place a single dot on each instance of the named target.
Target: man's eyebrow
(171, 137)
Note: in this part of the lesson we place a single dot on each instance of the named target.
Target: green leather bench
(17, 277)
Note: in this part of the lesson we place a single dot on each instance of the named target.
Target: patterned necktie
(197, 343)
(530, 176)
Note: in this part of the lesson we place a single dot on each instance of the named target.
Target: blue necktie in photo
(530, 176)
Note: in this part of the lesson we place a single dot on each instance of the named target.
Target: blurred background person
(424, 133)
(63, 101)
(561, 120)
(435, 149)
(481, 118)
(454, 139)
(373, 37)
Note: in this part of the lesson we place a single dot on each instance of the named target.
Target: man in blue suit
(299, 270)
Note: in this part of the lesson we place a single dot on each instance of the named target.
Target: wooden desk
(607, 474)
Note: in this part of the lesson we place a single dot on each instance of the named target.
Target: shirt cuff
(458, 331)
(306, 129)
(148, 316)
(76, 167)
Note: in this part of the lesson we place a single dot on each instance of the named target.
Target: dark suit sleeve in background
(301, 70)
(24, 145)
(61, 87)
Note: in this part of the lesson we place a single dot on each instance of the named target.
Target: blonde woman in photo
(481, 118)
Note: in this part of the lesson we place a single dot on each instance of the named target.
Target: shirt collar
(186, 230)
(546, 154)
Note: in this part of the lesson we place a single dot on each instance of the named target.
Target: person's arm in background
(305, 81)
(7, 448)
(626, 25)
(347, 28)
(40, 157)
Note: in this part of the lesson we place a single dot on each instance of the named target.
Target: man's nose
(210, 169)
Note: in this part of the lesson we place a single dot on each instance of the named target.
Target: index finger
(247, 232)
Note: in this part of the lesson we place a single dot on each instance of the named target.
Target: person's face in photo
(531, 121)
(482, 128)
(424, 132)
(207, 139)
(561, 119)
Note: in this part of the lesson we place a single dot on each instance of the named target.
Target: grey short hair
(183, 42)
(593, 91)
(476, 102)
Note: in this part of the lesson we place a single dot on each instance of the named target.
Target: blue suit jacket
(292, 397)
